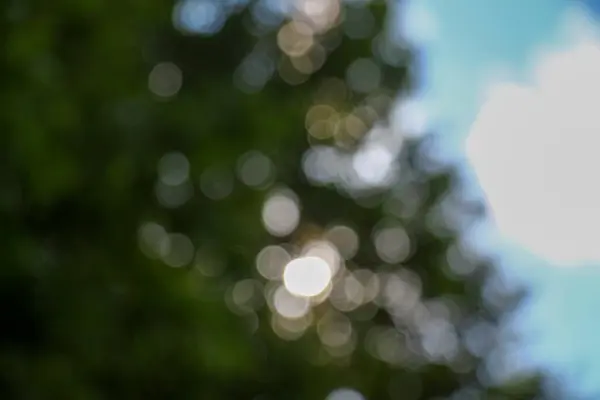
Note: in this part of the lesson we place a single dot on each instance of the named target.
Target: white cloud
(536, 151)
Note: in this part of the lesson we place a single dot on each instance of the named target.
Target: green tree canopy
(161, 166)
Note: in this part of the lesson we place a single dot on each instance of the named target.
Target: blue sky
(467, 44)
(472, 42)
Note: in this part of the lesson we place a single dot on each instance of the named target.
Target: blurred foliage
(117, 281)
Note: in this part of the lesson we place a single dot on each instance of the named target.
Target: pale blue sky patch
(472, 45)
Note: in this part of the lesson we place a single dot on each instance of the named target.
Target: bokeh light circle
(307, 276)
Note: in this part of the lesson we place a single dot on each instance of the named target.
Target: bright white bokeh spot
(373, 164)
(324, 250)
(320, 13)
(289, 306)
(534, 150)
(281, 213)
(307, 276)
(345, 394)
